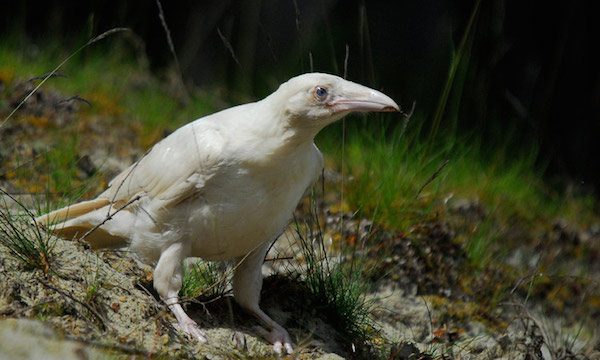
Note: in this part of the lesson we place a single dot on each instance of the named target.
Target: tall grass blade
(454, 65)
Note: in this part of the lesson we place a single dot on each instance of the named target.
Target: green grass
(61, 163)
(335, 284)
(203, 279)
(28, 244)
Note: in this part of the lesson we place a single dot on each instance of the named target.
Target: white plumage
(221, 187)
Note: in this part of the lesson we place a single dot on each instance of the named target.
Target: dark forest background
(530, 73)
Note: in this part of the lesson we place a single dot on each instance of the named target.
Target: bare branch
(46, 75)
(77, 98)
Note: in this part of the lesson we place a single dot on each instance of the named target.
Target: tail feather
(70, 212)
(97, 237)
(82, 219)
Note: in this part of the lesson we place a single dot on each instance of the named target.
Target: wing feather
(174, 169)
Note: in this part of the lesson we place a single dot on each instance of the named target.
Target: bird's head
(315, 100)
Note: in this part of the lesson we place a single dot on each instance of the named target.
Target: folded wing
(172, 171)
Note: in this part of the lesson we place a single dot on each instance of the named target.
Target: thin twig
(123, 348)
(75, 97)
(110, 216)
(429, 315)
(410, 113)
(433, 176)
(297, 18)
(209, 301)
(280, 258)
(346, 61)
(161, 16)
(132, 169)
(407, 117)
(43, 76)
(25, 163)
(229, 47)
(272, 244)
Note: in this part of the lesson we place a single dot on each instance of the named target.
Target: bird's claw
(282, 344)
(239, 339)
(278, 347)
(190, 327)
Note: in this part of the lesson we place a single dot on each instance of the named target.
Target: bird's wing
(174, 169)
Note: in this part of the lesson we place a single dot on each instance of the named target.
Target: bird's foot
(279, 338)
(190, 327)
(239, 340)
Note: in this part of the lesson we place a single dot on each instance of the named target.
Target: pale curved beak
(358, 98)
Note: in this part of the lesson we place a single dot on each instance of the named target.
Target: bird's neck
(275, 137)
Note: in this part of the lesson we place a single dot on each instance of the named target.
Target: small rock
(115, 307)
(239, 341)
(18, 335)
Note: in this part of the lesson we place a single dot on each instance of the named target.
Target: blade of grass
(454, 64)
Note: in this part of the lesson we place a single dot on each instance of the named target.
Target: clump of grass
(336, 285)
(92, 284)
(203, 278)
(386, 181)
(25, 242)
(91, 291)
(479, 244)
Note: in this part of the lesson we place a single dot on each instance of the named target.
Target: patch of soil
(425, 261)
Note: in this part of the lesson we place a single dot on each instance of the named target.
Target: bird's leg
(247, 283)
(168, 276)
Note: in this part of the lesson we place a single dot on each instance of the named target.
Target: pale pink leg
(168, 276)
(247, 283)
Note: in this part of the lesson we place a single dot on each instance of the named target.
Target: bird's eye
(320, 93)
